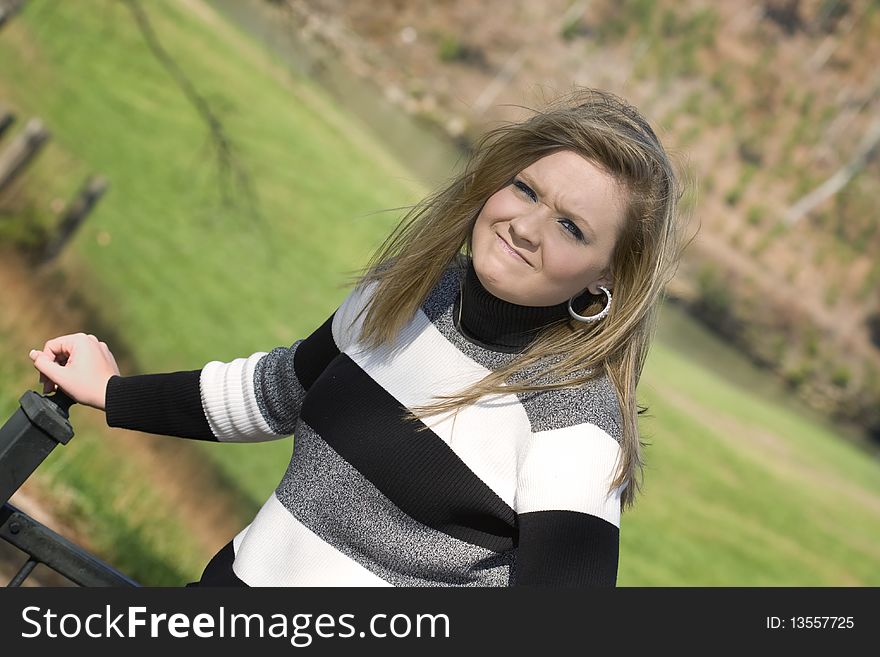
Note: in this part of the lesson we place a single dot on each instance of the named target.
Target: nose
(527, 227)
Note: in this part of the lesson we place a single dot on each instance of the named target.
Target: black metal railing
(27, 438)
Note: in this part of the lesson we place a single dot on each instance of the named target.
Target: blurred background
(194, 180)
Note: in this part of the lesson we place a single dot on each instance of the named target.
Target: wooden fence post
(8, 8)
(7, 118)
(73, 217)
(22, 149)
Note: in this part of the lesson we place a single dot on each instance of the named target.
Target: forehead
(580, 189)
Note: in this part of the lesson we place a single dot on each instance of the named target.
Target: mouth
(506, 247)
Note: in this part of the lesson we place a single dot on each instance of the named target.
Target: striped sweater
(512, 491)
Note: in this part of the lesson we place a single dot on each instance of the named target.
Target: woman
(462, 419)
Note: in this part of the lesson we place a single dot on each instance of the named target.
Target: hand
(79, 364)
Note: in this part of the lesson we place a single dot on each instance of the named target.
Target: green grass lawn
(184, 279)
(739, 490)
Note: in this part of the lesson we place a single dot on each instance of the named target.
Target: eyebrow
(569, 215)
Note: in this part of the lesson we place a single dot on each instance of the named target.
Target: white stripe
(230, 403)
(570, 469)
(344, 327)
(276, 549)
(423, 364)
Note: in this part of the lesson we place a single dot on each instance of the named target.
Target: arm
(569, 526)
(248, 399)
(251, 399)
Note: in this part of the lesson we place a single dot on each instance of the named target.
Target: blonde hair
(608, 132)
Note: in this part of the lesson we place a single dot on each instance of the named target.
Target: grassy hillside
(760, 102)
(742, 490)
(179, 278)
(738, 490)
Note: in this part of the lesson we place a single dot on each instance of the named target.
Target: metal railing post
(30, 435)
(27, 438)
(43, 545)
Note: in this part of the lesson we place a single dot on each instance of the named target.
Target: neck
(499, 324)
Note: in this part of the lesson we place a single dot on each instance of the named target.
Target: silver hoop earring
(591, 318)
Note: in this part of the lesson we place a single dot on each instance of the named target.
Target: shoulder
(594, 403)
(349, 317)
(442, 296)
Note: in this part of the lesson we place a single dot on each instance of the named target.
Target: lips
(506, 247)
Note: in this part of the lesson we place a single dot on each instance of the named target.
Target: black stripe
(566, 549)
(166, 404)
(416, 470)
(313, 354)
(219, 571)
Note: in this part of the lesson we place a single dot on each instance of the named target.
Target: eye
(572, 229)
(525, 189)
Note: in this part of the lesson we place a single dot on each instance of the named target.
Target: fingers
(60, 349)
(101, 344)
(55, 360)
(48, 386)
(44, 363)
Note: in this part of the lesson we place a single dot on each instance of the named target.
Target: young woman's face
(549, 235)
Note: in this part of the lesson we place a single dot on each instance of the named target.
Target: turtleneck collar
(497, 324)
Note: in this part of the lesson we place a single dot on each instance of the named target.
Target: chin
(503, 294)
(488, 275)
(497, 288)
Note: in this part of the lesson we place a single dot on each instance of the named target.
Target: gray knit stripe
(330, 497)
(278, 392)
(438, 307)
(595, 402)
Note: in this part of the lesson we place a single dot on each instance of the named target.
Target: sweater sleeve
(569, 524)
(251, 399)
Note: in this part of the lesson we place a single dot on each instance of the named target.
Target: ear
(605, 281)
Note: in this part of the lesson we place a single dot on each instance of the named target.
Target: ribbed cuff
(166, 404)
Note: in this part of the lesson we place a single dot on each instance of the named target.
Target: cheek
(567, 266)
(500, 206)
(480, 228)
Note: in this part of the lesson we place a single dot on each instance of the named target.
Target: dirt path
(177, 470)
